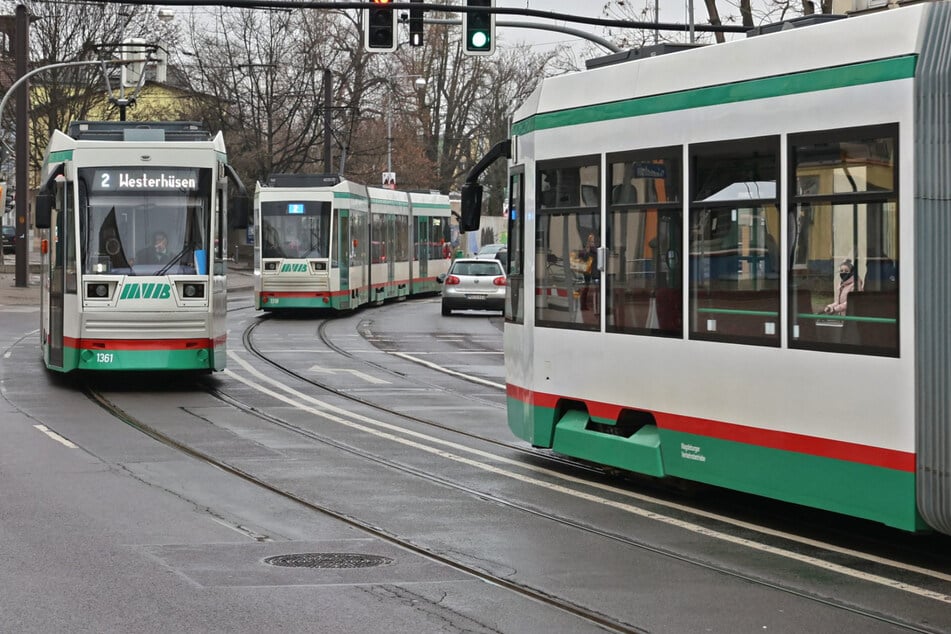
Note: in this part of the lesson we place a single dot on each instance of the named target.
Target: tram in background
(133, 220)
(682, 232)
(325, 242)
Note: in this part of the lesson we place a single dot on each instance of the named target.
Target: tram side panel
(431, 235)
(794, 424)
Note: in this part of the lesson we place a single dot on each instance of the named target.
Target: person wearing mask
(848, 282)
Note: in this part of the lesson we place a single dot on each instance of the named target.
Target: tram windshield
(295, 229)
(145, 221)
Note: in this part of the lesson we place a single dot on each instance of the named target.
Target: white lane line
(445, 370)
(317, 369)
(52, 434)
(244, 530)
(331, 412)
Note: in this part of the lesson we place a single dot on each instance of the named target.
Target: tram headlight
(97, 290)
(319, 266)
(270, 266)
(193, 291)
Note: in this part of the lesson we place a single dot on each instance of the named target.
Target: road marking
(52, 434)
(330, 412)
(360, 375)
(244, 530)
(18, 308)
(446, 370)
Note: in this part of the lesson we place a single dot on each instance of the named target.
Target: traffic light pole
(541, 26)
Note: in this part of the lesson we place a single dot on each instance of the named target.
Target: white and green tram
(133, 221)
(324, 242)
(768, 308)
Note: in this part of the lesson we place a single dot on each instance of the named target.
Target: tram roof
(139, 131)
(874, 36)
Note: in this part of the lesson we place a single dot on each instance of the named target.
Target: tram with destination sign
(323, 242)
(728, 264)
(133, 219)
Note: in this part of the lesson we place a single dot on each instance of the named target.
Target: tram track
(375, 531)
(521, 589)
(607, 478)
(548, 457)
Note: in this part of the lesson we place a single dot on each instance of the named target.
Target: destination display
(141, 179)
(304, 208)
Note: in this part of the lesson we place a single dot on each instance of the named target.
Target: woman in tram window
(848, 281)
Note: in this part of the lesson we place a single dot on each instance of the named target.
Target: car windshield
(490, 249)
(477, 268)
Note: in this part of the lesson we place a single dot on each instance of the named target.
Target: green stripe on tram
(85, 359)
(431, 205)
(348, 196)
(856, 318)
(797, 83)
(737, 311)
(60, 156)
(876, 493)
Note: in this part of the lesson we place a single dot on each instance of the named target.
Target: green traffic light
(479, 40)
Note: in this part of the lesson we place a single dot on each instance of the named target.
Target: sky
(671, 11)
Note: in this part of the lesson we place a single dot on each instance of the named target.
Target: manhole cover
(328, 560)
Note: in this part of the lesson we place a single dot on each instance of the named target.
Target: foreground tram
(329, 243)
(729, 264)
(133, 221)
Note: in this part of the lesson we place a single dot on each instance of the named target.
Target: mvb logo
(294, 268)
(146, 291)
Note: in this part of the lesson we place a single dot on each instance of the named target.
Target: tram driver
(157, 252)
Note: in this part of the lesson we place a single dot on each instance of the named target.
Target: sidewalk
(240, 278)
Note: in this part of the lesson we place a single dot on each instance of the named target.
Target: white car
(473, 284)
(488, 251)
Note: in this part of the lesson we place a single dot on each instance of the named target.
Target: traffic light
(479, 29)
(416, 25)
(379, 27)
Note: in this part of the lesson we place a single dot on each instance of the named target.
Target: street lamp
(419, 83)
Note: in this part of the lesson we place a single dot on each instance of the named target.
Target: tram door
(422, 242)
(391, 255)
(59, 237)
(344, 251)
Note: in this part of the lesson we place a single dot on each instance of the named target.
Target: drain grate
(328, 560)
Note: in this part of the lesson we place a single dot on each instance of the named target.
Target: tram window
(358, 237)
(644, 273)
(568, 233)
(836, 167)
(563, 187)
(515, 298)
(734, 261)
(566, 282)
(844, 259)
(119, 226)
(402, 238)
(858, 313)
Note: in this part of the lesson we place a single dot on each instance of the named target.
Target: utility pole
(21, 46)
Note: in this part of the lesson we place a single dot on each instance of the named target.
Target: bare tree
(68, 32)
(256, 72)
(510, 80)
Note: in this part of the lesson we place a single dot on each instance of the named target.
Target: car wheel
(445, 311)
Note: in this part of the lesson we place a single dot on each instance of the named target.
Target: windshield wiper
(175, 260)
